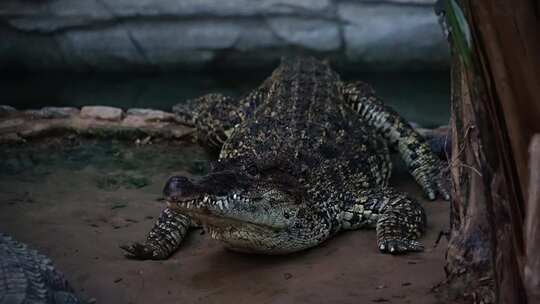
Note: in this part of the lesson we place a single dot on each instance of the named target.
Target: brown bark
(532, 225)
(496, 98)
(469, 258)
(506, 37)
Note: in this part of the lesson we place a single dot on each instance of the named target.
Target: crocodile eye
(252, 170)
(286, 214)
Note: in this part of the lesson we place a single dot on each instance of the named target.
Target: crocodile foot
(399, 245)
(434, 179)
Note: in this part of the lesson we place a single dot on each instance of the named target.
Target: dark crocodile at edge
(27, 276)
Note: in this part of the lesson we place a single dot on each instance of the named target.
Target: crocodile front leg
(164, 238)
(398, 219)
(215, 115)
(426, 168)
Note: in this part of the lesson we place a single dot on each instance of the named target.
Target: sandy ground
(80, 226)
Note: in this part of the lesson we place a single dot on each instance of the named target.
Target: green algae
(113, 164)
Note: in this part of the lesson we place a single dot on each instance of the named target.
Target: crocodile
(302, 157)
(27, 276)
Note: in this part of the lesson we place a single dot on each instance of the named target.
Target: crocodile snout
(179, 187)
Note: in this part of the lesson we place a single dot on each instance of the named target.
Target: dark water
(422, 97)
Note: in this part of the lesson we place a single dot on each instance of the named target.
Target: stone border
(139, 124)
(19, 126)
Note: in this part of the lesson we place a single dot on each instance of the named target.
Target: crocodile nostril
(178, 186)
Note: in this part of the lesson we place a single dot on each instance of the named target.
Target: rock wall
(170, 34)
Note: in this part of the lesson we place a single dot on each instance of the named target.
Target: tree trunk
(469, 256)
(495, 114)
(532, 225)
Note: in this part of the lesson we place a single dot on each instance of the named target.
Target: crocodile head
(257, 214)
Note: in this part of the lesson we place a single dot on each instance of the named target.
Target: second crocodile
(26, 276)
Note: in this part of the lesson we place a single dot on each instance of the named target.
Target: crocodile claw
(440, 181)
(434, 181)
(400, 246)
(138, 251)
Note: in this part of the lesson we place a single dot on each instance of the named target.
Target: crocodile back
(27, 276)
(306, 127)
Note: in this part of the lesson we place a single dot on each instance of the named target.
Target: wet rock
(53, 112)
(386, 33)
(151, 115)
(316, 34)
(10, 138)
(9, 125)
(127, 35)
(6, 110)
(134, 121)
(102, 112)
(100, 121)
(181, 132)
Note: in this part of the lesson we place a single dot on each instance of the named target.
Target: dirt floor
(79, 215)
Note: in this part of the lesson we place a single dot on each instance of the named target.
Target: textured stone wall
(168, 34)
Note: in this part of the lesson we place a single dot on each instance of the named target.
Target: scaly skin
(303, 157)
(29, 277)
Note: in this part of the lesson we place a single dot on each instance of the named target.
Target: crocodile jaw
(221, 219)
(248, 214)
(224, 211)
